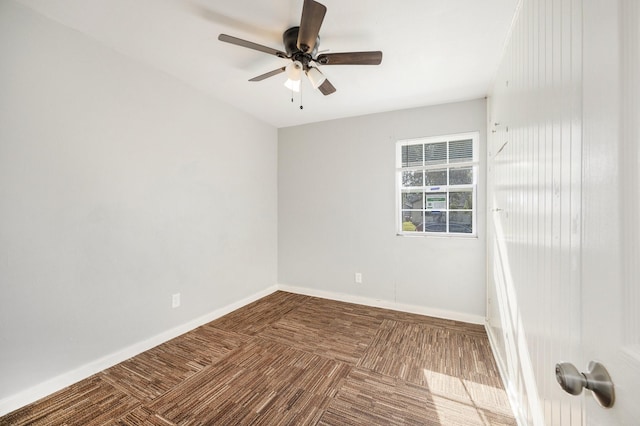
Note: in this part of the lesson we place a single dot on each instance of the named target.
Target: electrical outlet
(175, 300)
(358, 278)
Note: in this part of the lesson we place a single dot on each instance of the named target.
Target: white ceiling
(435, 51)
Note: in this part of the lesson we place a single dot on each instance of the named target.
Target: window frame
(434, 189)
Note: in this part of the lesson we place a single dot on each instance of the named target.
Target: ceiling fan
(301, 47)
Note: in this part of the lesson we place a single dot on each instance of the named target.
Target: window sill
(437, 235)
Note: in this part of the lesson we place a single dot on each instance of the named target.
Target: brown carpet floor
(290, 359)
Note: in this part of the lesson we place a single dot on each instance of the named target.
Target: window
(436, 185)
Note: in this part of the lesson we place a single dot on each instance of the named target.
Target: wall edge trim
(520, 416)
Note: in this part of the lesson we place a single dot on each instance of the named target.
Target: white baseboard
(60, 382)
(521, 418)
(379, 303)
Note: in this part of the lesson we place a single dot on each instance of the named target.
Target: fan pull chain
(293, 94)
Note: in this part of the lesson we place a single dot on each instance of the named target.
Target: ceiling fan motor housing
(290, 41)
(301, 47)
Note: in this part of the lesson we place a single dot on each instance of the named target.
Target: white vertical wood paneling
(534, 200)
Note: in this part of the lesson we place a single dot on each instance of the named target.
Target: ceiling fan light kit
(294, 70)
(316, 77)
(301, 47)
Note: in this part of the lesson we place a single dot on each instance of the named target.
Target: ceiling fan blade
(326, 88)
(251, 45)
(310, 23)
(350, 58)
(268, 74)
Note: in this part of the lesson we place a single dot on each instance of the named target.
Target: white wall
(534, 199)
(119, 186)
(336, 215)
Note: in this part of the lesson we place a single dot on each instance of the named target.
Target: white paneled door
(564, 202)
(611, 192)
